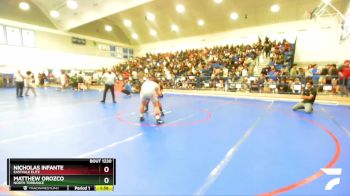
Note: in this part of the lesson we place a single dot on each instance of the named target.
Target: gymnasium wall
(317, 41)
(54, 49)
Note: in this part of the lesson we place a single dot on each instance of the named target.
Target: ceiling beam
(113, 7)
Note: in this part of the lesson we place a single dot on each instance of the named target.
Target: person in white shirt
(109, 79)
(134, 75)
(19, 83)
(150, 91)
(29, 83)
(64, 80)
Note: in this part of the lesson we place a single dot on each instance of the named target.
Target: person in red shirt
(344, 74)
(126, 75)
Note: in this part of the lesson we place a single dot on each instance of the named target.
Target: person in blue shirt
(315, 75)
(273, 73)
(127, 88)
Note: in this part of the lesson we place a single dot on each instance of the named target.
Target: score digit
(106, 169)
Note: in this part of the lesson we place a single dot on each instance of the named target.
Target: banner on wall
(13, 36)
(38, 59)
(28, 38)
(2, 34)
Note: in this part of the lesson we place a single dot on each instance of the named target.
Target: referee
(19, 83)
(109, 79)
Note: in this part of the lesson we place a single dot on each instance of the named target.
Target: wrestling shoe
(160, 121)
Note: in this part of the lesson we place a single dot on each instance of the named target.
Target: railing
(293, 49)
(325, 84)
(258, 84)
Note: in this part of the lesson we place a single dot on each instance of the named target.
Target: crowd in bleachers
(198, 67)
(265, 66)
(234, 68)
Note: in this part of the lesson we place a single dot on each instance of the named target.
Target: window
(131, 53)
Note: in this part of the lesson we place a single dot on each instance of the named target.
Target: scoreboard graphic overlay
(95, 174)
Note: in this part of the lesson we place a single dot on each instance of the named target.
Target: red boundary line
(317, 174)
(285, 188)
(277, 191)
(3, 189)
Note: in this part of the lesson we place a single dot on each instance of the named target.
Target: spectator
(294, 71)
(296, 86)
(19, 78)
(81, 85)
(73, 80)
(42, 78)
(283, 86)
(344, 73)
(127, 89)
(315, 75)
(64, 80)
(29, 83)
(309, 96)
(333, 73)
